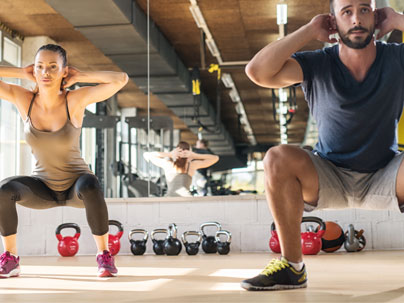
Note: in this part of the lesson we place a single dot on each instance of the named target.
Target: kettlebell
(209, 244)
(223, 248)
(172, 246)
(138, 247)
(158, 246)
(114, 241)
(354, 240)
(68, 246)
(311, 241)
(274, 244)
(192, 248)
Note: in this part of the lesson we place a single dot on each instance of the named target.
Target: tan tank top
(59, 162)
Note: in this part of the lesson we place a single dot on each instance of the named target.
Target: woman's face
(48, 68)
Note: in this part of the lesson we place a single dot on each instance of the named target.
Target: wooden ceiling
(240, 29)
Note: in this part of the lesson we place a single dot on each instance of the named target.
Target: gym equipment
(138, 247)
(223, 248)
(274, 244)
(209, 244)
(158, 245)
(355, 241)
(192, 248)
(311, 241)
(333, 237)
(105, 166)
(172, 246)
(137, 187)
(68, 246)
(114, 242)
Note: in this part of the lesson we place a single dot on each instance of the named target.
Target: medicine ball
(333, 237)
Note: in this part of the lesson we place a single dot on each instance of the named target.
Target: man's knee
(87, 185)
(283, 161)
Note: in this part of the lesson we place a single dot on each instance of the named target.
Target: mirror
(189, 34)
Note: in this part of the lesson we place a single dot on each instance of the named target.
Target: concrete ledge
(246, 217)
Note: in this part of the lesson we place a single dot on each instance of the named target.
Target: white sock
(297, 266)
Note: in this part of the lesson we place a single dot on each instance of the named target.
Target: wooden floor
(341, 277)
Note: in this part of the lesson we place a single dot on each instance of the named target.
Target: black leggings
(31, 192)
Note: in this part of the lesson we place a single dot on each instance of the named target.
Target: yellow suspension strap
(215, 68)
(400, 128)
(196, 91)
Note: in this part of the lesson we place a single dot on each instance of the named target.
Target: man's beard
(356, 44)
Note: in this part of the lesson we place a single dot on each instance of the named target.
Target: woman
(180, 166)
(52, 124)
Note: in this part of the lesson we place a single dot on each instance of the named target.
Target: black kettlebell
(192, 248)
(209, 244)
(172, 246)
(138, 247)
(223, 248)
(158, 245)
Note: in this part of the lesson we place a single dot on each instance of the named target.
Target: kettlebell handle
(68, 225)
(191, 233)
(172, 231)
(223, 232)
(306, 219)
(158, 231)
(116, 223)
(315, 220)
(139, 231)
(203, 225)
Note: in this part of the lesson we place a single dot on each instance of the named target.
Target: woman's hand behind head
(29, 72)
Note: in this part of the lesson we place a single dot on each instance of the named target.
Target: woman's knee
(8, 190)
(87, 185)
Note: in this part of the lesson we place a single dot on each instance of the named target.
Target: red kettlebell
(274, 244)
(114, 241)
(311, 241)
(68, 246)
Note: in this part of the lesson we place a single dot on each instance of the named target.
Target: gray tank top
(59, 162)
(178, 184)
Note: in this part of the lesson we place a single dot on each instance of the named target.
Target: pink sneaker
(9, 265)
(106, 266)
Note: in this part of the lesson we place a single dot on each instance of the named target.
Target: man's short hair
(332, 11)
(204, 142)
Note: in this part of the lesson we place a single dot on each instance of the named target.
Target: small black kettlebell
(172, 246)
(158, 245)
(223, 248)
(192, 248)
(138, 247)
(209, 244)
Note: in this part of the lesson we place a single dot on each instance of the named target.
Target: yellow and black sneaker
(278, 274)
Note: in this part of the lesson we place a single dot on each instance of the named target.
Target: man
(200, 178)
(355, 92)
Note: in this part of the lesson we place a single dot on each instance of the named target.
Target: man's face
(355, 21)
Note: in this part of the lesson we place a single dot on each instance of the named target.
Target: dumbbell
(114, 241)
(192, 248)
(209, 244)
(138, 247)
(68, 246)
(158, 245)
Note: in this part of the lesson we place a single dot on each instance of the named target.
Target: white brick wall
(246, 217)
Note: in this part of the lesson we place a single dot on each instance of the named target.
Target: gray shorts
(342, 188)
